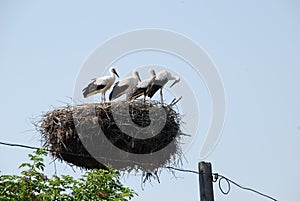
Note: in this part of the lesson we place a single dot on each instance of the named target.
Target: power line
(69, 153)
(19, 145)
(216, 175)
(182, 170)
(220, 178)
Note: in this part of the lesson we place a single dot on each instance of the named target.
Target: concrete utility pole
(206, 182)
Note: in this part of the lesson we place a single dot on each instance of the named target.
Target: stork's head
(113, 71)
(177, 79)
(136, 74)
(152, 72)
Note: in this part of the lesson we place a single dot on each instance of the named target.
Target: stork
(125, 86)
(101, 85)
(143, 87)
(159, 82)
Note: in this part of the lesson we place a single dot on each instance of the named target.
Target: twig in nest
(174, 101)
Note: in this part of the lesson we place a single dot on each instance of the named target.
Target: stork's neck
(112, 74)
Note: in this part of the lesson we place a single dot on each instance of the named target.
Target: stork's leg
(101, 97)
(104, 96)
(145, 97)
(161, 96)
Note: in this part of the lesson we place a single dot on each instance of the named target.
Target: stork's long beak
(176, 81)
(115, 72)
(139, 77)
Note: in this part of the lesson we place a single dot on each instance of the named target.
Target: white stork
(100, 85)
(161, 79)
(125, 86)
(143, 87)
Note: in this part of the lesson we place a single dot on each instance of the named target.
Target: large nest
(126, 135)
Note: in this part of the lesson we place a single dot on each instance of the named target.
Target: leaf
(25, 165)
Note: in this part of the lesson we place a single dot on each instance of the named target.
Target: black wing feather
(154, 88)
(92, 87)
(138, 92)
(117, 91)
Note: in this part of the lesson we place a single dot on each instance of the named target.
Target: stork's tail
(85, 92)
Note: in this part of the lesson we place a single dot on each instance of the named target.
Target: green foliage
(33, 184)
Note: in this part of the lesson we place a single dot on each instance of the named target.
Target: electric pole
(206, 181)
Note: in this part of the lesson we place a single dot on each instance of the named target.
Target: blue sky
(254, 44)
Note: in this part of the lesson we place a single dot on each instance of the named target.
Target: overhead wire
(217, 177)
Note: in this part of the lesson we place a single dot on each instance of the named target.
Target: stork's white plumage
(159, 82)
(125, 86)
(143, 87)
(100, 85)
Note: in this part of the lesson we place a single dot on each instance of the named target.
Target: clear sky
(254, 44)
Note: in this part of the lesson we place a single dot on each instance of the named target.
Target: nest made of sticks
(89, 135)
